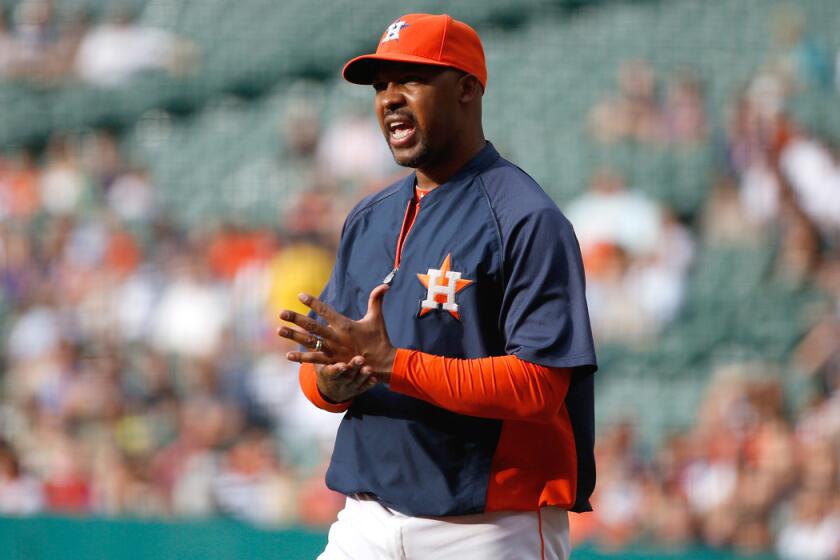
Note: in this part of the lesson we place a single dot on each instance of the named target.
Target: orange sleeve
(309, 384)
(502, 387)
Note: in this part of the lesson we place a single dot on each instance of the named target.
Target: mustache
(404, 113)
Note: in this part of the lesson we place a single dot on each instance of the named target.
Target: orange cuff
(400, 368)
(309, 384)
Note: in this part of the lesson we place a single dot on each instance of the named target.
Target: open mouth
(401, 132)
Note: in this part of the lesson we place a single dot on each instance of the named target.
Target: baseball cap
(438, 40)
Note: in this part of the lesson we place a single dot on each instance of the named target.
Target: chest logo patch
(441, 286)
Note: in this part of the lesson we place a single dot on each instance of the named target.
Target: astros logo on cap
(393, 31)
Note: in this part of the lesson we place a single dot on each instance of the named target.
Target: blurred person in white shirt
(610, 213)
(63, 183)
(20, 494)
(813, 532)
(192, 313)
(118, 49)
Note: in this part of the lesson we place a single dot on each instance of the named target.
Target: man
(454, 330)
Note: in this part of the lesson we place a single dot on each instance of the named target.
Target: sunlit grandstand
(173, 173)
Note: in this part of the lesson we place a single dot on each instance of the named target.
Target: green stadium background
(214, 172)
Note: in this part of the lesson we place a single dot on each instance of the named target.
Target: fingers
(352, 375)
(309, 357)
(301, 337)
(308, 324)
(375, 300)
(342, 369)
(325, 311)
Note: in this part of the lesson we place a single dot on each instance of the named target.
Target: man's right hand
(343, 381)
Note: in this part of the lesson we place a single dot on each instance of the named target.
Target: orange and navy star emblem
(441, 286)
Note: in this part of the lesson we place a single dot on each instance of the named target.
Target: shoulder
(372, 201)
(515, 198)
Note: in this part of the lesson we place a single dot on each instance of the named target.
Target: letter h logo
(441, 286)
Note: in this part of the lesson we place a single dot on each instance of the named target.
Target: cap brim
(362, 69)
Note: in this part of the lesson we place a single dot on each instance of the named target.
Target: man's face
(418, 111)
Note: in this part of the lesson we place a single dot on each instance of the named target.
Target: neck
(432, 176)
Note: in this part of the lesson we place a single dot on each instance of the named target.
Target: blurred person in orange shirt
(19, 177)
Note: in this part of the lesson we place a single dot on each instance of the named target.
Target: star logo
(393, 31)
(441, 286)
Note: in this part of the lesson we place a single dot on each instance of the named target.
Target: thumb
(375, 301)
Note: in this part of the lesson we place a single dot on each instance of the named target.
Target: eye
(412, 79)
(378, 86)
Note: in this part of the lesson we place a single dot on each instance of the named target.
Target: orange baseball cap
(438, 40)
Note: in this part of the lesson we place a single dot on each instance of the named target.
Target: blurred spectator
(352, 149)
(611, 213)
(192, 313)
(101, 158)
(616, 314)
(233, 248)
(683, 119)
(813, 532)
(317, 504)
(658, 278)
(814, 176)
(308, 433)
(818, 353)
(35, 33)
(633, 113)
(63, 186)
(636, 255)
(20, 493)
(132, 196)
(19, 196)
(757, 128)
(115, 50)
(301, 129)
(39, 47)
(67, 484)
(620, 496)
(710, 480)
(185, 469)
(34, 334)
(252, 484)
(796, 56)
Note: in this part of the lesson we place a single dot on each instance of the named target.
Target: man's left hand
(342, 338)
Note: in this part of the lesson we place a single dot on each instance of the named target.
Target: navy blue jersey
(517, 289)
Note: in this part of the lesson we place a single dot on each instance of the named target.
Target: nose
(391, 97)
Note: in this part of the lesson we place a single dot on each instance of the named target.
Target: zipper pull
(389, 277)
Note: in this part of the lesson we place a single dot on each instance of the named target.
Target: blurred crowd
(759, 469)
(141, 373)
(141, 370)
(41, 46)
(750, 474)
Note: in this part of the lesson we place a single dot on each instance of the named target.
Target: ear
(469, 88)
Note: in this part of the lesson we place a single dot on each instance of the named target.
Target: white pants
(367, 530)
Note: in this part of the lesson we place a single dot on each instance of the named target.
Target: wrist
(390, 356)
(325, 393)
(400, 366)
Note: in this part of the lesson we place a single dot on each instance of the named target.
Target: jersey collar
(481, 161)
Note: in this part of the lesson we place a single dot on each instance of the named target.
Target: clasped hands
(352, 356)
